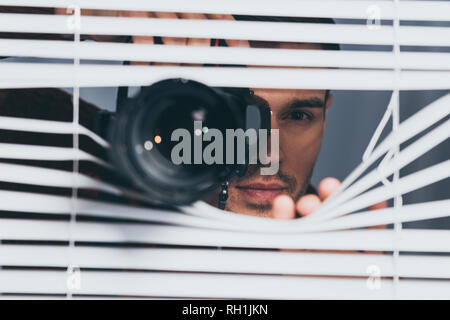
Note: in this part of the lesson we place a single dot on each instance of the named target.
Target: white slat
(51, 178)
(34, 152)
(367, 240)
(218, 286)
(225, 261)
(223, 55)
(32, 75)
(411, 182)
(205, 216)
(345, 9)
(50, 204)
(223, 29)
(58, 127)
(407, 213)
(409, 128)
(406, 156)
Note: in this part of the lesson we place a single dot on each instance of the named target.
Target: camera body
(141, 137)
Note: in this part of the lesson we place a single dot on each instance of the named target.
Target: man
(299, 115)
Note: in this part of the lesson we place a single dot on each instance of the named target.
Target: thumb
(283, 208)
(308, 204)
(328, 186)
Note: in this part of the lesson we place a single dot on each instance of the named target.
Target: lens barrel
(141, 137)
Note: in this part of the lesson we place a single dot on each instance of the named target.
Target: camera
(141, 137)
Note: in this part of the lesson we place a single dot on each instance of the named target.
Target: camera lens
(141, 138)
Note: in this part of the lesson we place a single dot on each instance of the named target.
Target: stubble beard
(264, 209)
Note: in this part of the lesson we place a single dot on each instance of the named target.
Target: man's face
(300, 116)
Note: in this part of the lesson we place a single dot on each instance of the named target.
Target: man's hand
(182, 41)
(161, 15)
(285, 208)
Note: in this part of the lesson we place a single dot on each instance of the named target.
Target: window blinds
(64, 245)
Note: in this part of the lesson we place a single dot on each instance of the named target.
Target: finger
(190, 15)
(306, 205)
(61, 11)
(139, 39)
(166, 15)
(100, 13)
(136, 14)
(170, 40)
(328, 186)
(238, 43)
(143, 39)
(379, 227)
(196, 41)
(378, 206)
(283, 208)
(230, 43)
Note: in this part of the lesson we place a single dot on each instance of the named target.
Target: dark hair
(325, 46)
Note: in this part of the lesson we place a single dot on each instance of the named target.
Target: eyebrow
(305, 103)
(294, 103)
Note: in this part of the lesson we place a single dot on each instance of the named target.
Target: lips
(262, 192)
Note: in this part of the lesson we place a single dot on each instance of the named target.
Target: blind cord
(398, 200)
(75, 23)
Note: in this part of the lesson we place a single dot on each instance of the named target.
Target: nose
(275, 130)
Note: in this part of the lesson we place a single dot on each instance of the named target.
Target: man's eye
(299, 115)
